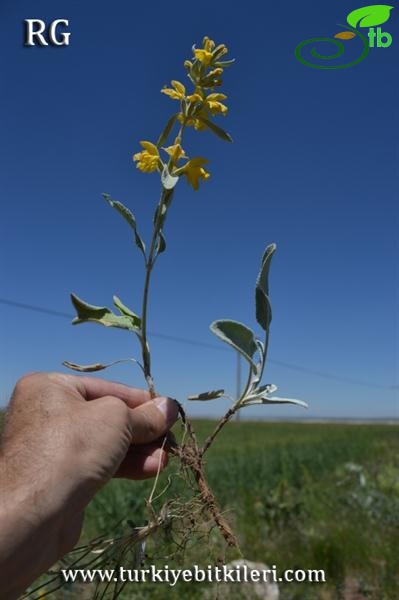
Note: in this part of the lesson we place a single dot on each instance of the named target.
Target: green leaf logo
(368, 16)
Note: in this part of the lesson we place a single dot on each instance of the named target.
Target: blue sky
(313, 167)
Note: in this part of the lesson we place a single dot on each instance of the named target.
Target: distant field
(310, 496)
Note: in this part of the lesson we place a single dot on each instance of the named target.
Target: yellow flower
(209, 53)
(194, 122)
(194, 98)
(148, 159)
(215, 72)
(177, 93)
(208, 44)
(176, 152)
(214, 105)
(194, 171)
(204, 54)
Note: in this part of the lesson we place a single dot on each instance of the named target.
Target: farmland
(299, 496)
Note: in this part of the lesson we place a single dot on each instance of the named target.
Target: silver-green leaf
(263, 309)
(124, 310)
(161, 244)
(262, 396)
(275, 400)
(122, 210)
(85, 368)
(263, 277)
(139, 242)
(207, 395)
(221, 133)
(237, 335)
(263, 306)
(101, 314)
(129, 217)
(168, 128)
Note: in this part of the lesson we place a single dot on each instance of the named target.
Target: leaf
(85, 368)
(237, 335)
(162, 209)
(124, 310)
(263, 309)
(262, 396)
(102, 315)
(139, 242)
(368, 16)
(168, 128)
(268, 388)
(276, 400)
(216, 129)
(207, 395)
(263, 277)
(122, 210)
(161, 246)
(263, 306)
(159, 215)
(129, 218)
(345, 35)
(168, 181)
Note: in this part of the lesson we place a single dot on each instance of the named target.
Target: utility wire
(188, 341)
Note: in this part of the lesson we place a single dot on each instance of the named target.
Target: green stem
(166, 197)
(209, 441)
(144, 342)
(236, 406)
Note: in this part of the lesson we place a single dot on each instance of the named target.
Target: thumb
(152, 419)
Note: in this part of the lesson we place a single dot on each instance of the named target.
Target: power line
(188, 341)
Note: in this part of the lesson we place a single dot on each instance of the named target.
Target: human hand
(65, 436)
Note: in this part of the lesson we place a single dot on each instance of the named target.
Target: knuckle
(115, 404)
(116, 409)
(27, 380)
(152, 422)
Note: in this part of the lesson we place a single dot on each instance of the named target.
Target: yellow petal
(217, 107)
(171, 93)
(150, 147)
(216, 97)
(179, 87)
(208, 44)
(175, 151)
(198, 161)
(194, 98)
(203, 56)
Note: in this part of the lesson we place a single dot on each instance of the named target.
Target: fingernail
(169, 408)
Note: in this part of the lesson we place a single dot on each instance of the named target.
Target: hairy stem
(209, 441)
(164, 203)
(144, 342)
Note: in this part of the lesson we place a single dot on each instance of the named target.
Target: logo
(369, 17)
(37, 33)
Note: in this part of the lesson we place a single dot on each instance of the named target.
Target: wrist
(29, 529)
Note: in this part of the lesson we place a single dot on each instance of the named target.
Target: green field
(308, 496)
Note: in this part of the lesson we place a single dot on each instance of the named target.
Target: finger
(142, 462)
(151, 420)
(92, 388)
